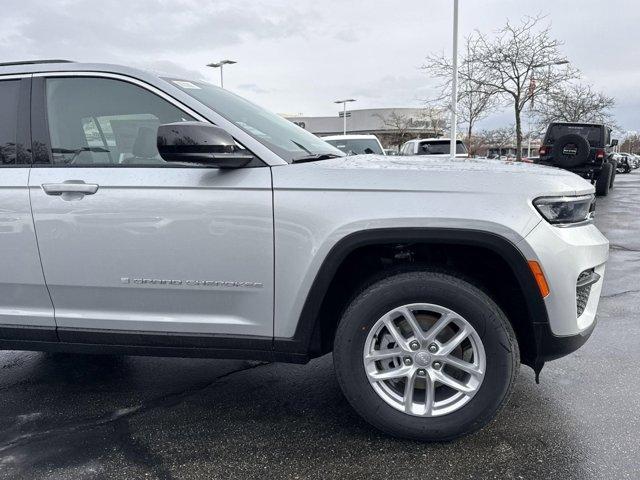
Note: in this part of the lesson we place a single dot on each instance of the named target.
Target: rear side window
(106, 122)
(9, 95)
(357, 146)
(593, 133)
(440, 147)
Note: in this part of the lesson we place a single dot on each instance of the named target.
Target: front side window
(106, 122)
(9, 95)
(279, 135)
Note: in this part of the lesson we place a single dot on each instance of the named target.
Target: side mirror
(614, 142)
(199, 142)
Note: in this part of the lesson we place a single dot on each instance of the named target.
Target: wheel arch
(308, 341)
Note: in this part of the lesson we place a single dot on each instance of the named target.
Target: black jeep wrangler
(582, 148)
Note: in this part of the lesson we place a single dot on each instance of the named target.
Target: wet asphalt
(110, 417)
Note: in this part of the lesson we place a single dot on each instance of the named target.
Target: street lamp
(454, 85)
(220, 64)
(344, 112)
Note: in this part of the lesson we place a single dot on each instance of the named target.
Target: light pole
(344, 112)
(454, 85)
(532, 86)
(221, 64)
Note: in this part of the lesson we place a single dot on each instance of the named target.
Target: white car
(356, 144)
(433, 146)
(150, 215)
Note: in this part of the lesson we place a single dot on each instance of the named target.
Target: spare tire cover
(571, 150)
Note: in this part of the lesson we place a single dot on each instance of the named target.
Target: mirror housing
(200, 143)
(614, 142)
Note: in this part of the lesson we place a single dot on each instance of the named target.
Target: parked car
(433, 146)
(581, 148)
(165, 216)
(634, 160)
(356, 144)
(624, 162)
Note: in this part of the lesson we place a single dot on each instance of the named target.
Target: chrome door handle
(70, 186)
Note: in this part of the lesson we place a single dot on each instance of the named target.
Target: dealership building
(392, 126)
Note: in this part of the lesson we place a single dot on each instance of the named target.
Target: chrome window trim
(269, 157)
(131, 80)
(15, 75)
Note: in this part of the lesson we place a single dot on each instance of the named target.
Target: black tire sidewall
(455, 294)
(603, 181)
(614, 167)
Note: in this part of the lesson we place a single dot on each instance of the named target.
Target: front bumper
(564, 254)
(551, 347)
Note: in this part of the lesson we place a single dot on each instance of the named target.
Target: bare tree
(631, 144)
(476, 98)
(436, 119)
(401, 126)
(574, 102)
(496, 138)
(521, 63)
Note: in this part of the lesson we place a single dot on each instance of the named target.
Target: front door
(134, 248)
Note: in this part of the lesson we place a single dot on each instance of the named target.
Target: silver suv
(148, 215)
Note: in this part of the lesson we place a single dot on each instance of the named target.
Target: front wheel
(425, 356)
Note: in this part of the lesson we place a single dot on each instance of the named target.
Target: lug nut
(422, 372)
(415, 345)
(433, 348)
(408, 361)
(437, 365)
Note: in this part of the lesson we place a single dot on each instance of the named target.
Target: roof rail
(34, 62)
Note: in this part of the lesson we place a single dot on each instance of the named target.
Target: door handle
(70, 186)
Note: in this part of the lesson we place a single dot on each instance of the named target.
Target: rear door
(134, 249)
(26, 312)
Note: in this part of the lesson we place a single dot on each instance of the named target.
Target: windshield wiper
(316, 156)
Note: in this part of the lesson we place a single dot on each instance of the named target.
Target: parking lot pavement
(107, 417)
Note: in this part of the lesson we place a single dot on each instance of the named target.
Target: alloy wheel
(424, 360)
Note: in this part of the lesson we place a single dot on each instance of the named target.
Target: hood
(441, 163)
(441, 173)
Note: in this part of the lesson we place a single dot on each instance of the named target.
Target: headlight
(566, 211)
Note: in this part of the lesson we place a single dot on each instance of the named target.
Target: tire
(603, 182)
(614, 168)
(571, 150)
(490, 325)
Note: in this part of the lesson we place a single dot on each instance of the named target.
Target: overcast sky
(297, 56)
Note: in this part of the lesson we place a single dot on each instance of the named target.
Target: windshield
(593, 133)
(357, 146)
(276, 133)
(440, 147)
